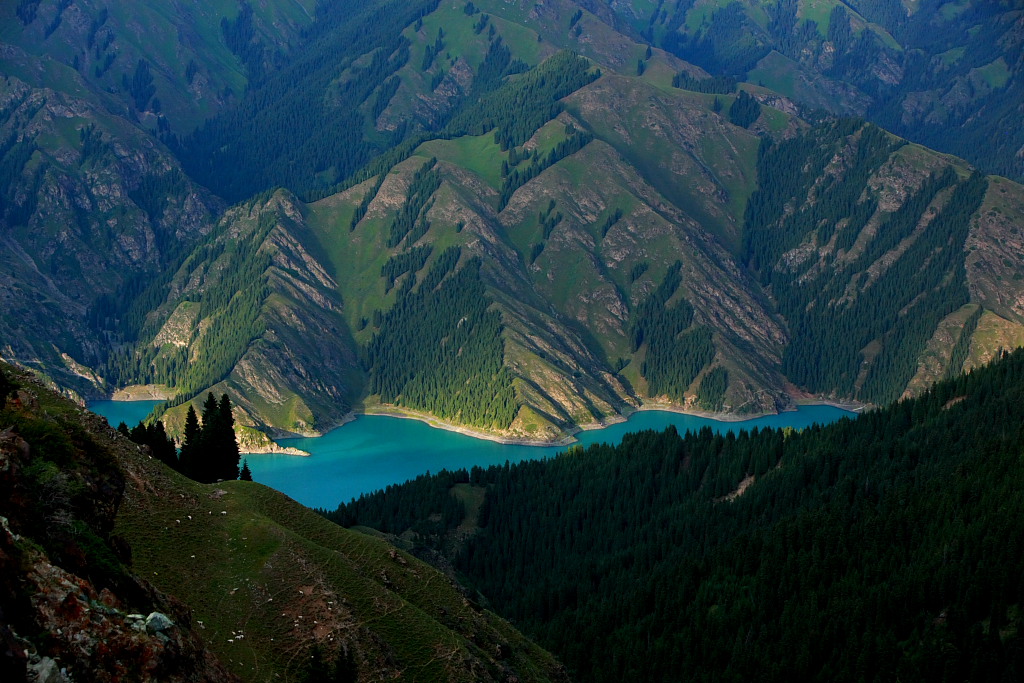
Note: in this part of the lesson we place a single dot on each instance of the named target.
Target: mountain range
(516, 218)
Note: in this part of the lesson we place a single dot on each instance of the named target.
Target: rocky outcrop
(70, 608)
(96, 209)
(269, 584)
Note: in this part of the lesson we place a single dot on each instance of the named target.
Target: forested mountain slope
(249, 584)
(91, 209)
(882, 547)
(949, 75)
(254, 310)
(168, 65)
(486, 220)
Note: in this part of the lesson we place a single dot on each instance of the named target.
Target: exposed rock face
(66, 597)
(299, 371)
(97, 207)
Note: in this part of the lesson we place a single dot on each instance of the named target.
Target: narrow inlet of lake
(375, 451)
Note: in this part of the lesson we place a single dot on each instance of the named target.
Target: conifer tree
(208, 471)
(190, 446)
(226, 454)
(163, 445)
(246, 474)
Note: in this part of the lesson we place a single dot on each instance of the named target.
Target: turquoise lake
(375, 450)
(129, 412)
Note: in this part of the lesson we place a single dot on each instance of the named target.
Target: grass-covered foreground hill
(886, 547)
(256, 587)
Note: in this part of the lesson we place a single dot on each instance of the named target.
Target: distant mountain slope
(168, 65)
(694, 266)
(269, 588)
(488, 222)
(949, 75)
(92, 209)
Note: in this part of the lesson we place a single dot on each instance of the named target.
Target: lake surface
(376, 450)
(129, 412)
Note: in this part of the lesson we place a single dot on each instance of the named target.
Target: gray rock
(157, 622)
(46, 670)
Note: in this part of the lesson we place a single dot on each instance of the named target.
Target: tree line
(209, 449)
(882, 547)
(440, 349)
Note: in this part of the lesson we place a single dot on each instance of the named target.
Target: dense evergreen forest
(312, 131)
(846, 309)
(879, 548)
(439, 348)
(677, 350)
(315, 112)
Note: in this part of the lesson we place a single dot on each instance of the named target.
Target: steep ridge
(93, 209)
(263, 588)
(254, 311)
(614, 207)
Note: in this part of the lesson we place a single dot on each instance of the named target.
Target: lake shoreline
(571, 437)
(137, 393)
(377, 451)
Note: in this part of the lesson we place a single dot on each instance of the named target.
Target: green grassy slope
(262, 581)
(193, 69)
(269, 579)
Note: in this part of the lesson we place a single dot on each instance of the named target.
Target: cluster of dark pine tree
(676, 351)
(711, 392)
(719, 85)
(411, 221)
(14, 156)
(878, 548)
(440, 349)
(830, 327)
(517, 177)
(521, 106)
(744, 110)
(241, 38)
(155, 437)
(208, 453)
(410, 261)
